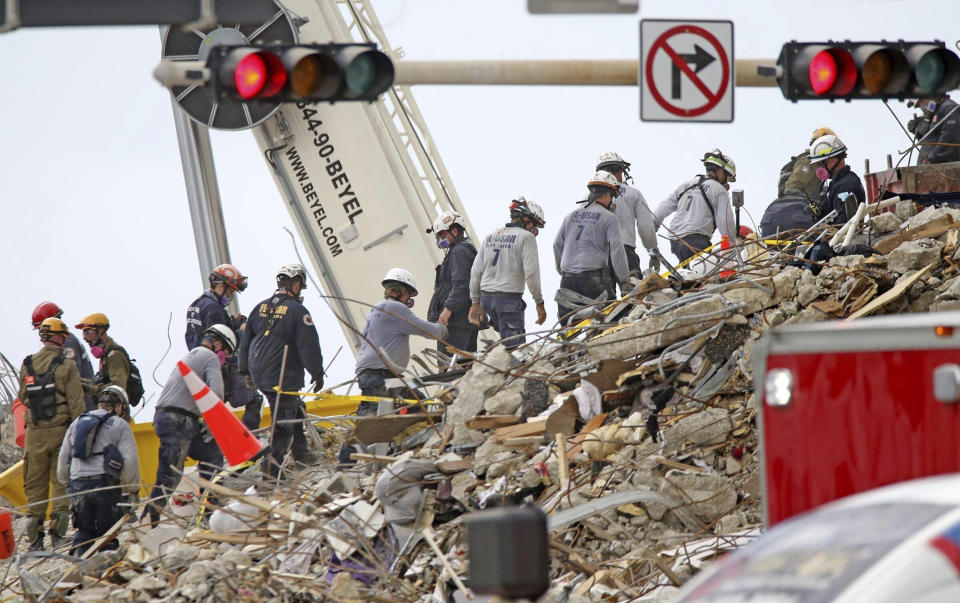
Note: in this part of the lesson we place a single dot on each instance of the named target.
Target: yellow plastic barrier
(325, 405)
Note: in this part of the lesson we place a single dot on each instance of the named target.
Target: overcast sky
(94, 206)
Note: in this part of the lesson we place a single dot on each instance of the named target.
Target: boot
(59, 525)
(35, 533)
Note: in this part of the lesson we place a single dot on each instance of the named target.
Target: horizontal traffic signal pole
(535, 72)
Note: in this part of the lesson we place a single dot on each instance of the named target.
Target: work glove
(248, 381)
(654, 261)
(317, 384)
(541, 314)
(475, 315)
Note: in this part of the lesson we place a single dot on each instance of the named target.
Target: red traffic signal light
(307, 72)
(855, 70)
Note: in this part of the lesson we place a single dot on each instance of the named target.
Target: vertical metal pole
(203, 195)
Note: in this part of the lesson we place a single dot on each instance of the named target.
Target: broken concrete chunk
(905, 209)
(704, 428)
(885, 222)
(505, 402)
(480, 381)
(710, 497)
(914, 255)
(655, 332)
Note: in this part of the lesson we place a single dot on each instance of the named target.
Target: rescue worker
(450, 303)
(633, 213)
(799, 176)
(114, 360)
(943, 143)
(177, 420)
(587, 246)
(50, 387)
(702, 206)
(72, 348)
(98, 462)
(845, 191)
(797, 206)
(507, 258)
(211, 309)
(275, 323)
(385, 349)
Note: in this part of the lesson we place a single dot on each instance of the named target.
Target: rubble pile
(633, 431)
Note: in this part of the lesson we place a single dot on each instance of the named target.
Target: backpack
(85, 435)
(41, 389)
(134, 385)
(785, 172)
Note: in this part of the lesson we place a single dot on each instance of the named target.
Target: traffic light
(856, 70)
(306, 72)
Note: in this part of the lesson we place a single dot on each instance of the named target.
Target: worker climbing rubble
(50, 387)
(633, 213)
(450, 303)
(797, 206)
(507, 259)
(385, 349)
(588, 250)
(211, 309)
(178, 421)
(702, 206)
(279, 343)
(99, 465)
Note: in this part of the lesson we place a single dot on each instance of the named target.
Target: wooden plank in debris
(371, 430)
(521, 442)
(898, 290)
(563, 464)
(491, 421)
(678, 465)
(362, 457)
(930, 230)
(577, 441)
(530, 428)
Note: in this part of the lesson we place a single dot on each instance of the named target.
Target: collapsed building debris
(634, 431)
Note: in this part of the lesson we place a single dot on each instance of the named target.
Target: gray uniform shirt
(693, 215)
(206, 365)
(507, 257)
(112, 431)
(633, 212)
(389, 327)
(589, 239)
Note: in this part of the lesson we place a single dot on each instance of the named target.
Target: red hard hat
(744, 231)
(45, 311)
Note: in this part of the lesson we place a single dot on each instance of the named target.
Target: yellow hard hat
(53, 325)
(97, 319)
(821, 131)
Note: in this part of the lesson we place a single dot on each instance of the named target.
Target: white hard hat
(825, 147)
(609, 158)
(724, 162)
(446, 220)
(292, 271)
(114, 393)
(521, 207)
(399, 275)
(224, 334)
(606, 180)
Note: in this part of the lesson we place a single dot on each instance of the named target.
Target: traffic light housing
(303, 72)
(866, 70)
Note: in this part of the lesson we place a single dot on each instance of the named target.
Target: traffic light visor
(833, 71)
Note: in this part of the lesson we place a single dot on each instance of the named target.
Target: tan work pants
(40, 470)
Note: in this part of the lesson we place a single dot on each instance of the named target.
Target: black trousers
(589, 284)
(682, 248)
(93, 506)
(288, 434)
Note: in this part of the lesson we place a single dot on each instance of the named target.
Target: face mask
(443, 243)
(97, 351)
(932, 107)
(823, 173)
(222, 356)
(409, 302)
(224, 300)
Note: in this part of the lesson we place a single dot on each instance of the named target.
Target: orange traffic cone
(725, 244)
(234, 439)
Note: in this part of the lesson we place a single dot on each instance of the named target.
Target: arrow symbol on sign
(699, 58)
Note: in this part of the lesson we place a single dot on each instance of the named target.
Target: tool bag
(41, 389)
